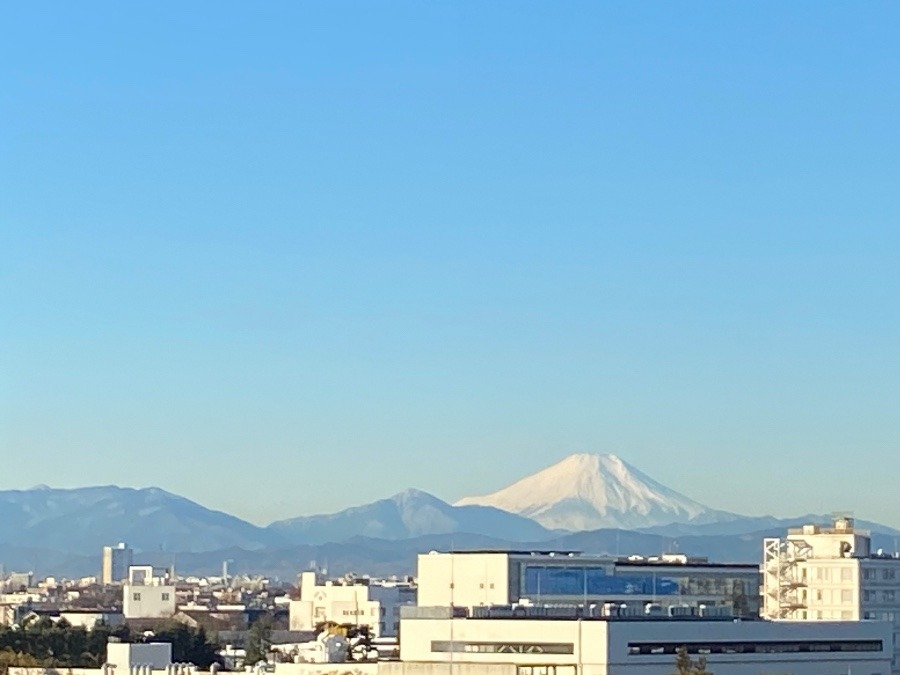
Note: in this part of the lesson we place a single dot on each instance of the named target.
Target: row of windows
(557, 580)
(879, 616)
(873, 596)
(825, 574)
(887, 574)
(457, 647)
(766, 647)
(579, 580)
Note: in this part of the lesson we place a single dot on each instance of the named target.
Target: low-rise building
(147, 594)
(357, 601)
(124, 656)
(88, 618)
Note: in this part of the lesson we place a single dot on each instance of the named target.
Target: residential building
(147, 594)
(115, 563)
(484, 578)
(358, 601)
(827, 573)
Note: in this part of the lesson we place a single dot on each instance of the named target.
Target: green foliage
(189, 645)
(259, 639)
(56, 645)
(40, 642)
(10, 658)
(684, 665)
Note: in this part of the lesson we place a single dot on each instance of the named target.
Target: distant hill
(61, 532)
(83, 520)
(406, 515)
(590, 491)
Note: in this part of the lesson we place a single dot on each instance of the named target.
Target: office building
(115, 563)
(445, 641)
(484, 578)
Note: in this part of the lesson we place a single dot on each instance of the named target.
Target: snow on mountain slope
(592, 491)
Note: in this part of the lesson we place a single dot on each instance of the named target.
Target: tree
(259, 639)
(684, 665)
(189, 645)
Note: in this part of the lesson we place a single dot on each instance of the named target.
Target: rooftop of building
(598, 612)
(839, 525)
(666, 559)
(510, 552)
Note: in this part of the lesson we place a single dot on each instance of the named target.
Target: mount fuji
(593, 491)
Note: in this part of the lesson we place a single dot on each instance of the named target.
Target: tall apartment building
(116, 561)
(821, 573)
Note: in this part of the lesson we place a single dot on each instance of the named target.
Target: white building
(820, 573)
(635, 645)
(125, 656)
(146, 595)
(115, 563)
(484, 578)
(88, 619)
(362, 602)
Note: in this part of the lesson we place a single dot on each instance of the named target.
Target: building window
(502, 647)
(761, 647)
(846, 574)
(846, 595)
(165, 597)
(887, 574)
(136, 597)
(887, 596)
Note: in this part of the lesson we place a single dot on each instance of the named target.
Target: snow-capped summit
(592, 491)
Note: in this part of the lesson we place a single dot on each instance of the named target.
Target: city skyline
(325, 253)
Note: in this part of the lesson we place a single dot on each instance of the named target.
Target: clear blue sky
(283, 258)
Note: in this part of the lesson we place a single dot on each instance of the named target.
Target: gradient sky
(283, 258)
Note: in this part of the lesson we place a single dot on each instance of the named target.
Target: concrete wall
(400, 668)
(124, 655)
(148, 602)
(327, 669)
(463, 580)
(595, 647)
(585, 640)
(90, 619)
(375, 606)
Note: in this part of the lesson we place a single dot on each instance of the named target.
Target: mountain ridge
(409, 513)
(588, 491)
(59, 529)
